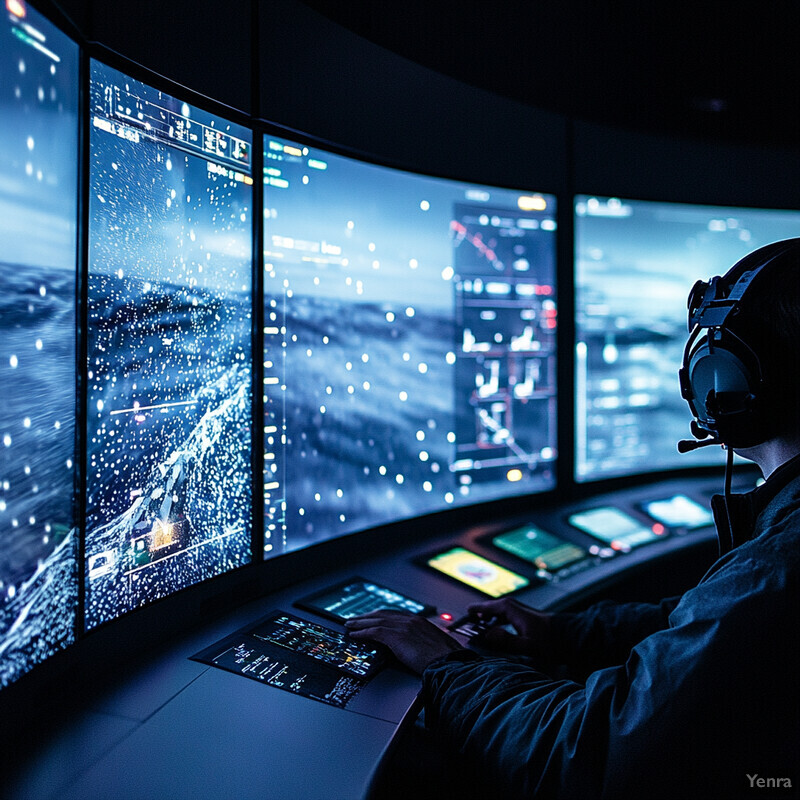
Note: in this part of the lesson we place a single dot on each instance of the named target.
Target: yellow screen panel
(478, 572)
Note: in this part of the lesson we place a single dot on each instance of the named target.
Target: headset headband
(708, 310)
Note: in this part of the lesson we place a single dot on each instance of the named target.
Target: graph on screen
(409, 344)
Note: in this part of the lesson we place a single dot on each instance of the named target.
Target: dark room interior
(314, 307)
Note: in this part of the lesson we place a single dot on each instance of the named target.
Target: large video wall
(390, 351)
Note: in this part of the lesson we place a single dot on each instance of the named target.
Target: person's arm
(601, 636)
(604, 634)
(685, 715)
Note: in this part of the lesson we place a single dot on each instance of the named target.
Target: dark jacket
(695, 697)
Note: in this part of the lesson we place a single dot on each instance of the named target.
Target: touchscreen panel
(357, 596)
(546, 551)
(297, 656)
(679, 511)
(478, 572)
(614, 527)
(320, 643)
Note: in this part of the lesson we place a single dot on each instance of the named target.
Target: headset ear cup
(725, 385)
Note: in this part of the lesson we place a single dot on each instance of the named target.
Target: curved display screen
(409, 344)
(38, 222)
(169, 353)
(635, 264)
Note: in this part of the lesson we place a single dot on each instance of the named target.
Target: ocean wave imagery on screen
(409, 344)
(169, 355)
(635, 264)
(38, 215)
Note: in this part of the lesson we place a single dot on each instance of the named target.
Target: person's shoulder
(777, 534)
(762, 571)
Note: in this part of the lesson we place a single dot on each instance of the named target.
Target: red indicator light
(616, 546)
(446, 617)
(659, 529)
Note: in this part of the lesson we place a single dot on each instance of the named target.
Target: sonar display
(409, 339)
(169, 353)
(38, 222)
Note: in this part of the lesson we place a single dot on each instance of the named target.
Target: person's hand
(532, 627)
(415, 641)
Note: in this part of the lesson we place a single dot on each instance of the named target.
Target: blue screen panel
(410, 330)
(38, 216)
(169, 353)
(636, 262)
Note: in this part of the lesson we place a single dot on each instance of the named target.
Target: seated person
(696, 696)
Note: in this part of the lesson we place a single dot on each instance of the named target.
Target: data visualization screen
(357, 596)
(636, 262)
(169, 352)
(38, 223)
(615, 528)
(409, 334)
(548, 552)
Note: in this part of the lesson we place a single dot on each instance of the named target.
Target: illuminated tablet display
(614, 527)
(38, 222)
(546, 551)
(635, 262)
(357, 596)
(679, 511)
(169, 346)
(409, 335)
(478, 572)
(297, 656)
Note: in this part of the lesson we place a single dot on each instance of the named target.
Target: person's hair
(769, 322)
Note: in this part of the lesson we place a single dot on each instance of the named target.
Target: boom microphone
(687, 445)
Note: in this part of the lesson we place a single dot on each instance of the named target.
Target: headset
(721, 377)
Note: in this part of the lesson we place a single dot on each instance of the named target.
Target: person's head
(741, 371)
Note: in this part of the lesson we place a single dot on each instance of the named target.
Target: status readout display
(679, 511)
(615, 527)
(357, 596)
(546, 551)
(478, 572)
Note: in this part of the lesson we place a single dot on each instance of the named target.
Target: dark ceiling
(728, 71)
